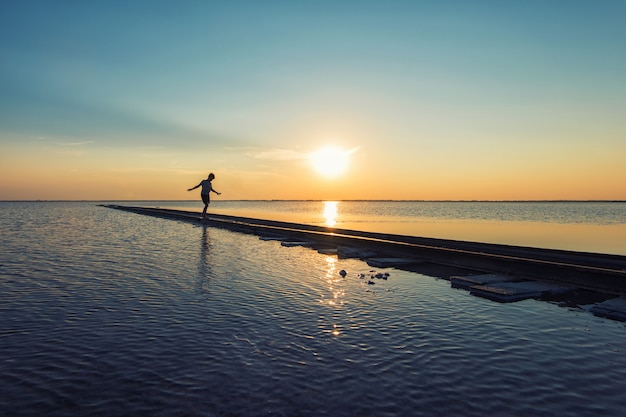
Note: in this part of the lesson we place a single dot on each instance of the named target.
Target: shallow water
(565, 212)
(580, 226)
(114, 313)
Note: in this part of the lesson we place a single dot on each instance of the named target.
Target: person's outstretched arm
(215, 191)
(189, 189)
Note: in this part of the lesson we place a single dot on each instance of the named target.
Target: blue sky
(487, 89)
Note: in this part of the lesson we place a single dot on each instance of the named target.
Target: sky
(424, 100)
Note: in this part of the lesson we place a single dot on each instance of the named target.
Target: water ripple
(110, 313)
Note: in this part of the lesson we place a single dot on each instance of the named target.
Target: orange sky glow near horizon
(489, 102)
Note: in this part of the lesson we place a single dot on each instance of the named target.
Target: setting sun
(330, 161)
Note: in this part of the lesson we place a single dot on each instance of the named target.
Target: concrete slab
(468, 281)
(328, 251)
(350, 252)
(290, 244)
(615, 309)
(391, 262)
(508, 292)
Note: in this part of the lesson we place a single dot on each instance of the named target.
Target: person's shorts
(205, 198)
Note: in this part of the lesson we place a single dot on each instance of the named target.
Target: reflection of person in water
(207, 187)
(205, 271)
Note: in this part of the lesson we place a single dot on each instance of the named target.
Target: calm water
(589, 227)
(113, 313)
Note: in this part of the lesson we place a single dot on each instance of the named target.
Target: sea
(111, 313)
(591, 226)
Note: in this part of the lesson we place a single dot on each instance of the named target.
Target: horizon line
(322, 200)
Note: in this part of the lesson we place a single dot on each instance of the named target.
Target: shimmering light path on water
(113, 313)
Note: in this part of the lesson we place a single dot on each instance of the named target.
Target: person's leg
(205, 200)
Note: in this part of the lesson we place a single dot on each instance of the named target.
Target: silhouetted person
(207, 187)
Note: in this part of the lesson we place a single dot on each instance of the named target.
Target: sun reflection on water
(330, 213)
(334, 281)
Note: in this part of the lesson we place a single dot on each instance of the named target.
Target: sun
(330, 161)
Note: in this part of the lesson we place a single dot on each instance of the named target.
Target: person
(207, 187)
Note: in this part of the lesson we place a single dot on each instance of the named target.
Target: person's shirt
(206, 187)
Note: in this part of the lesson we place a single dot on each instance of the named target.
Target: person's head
(211, 177)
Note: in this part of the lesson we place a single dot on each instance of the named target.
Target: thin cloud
(70, 152)
(173, 171)
(88, 142)
(278, 155)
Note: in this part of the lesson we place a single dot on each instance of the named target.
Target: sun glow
(330, 161)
